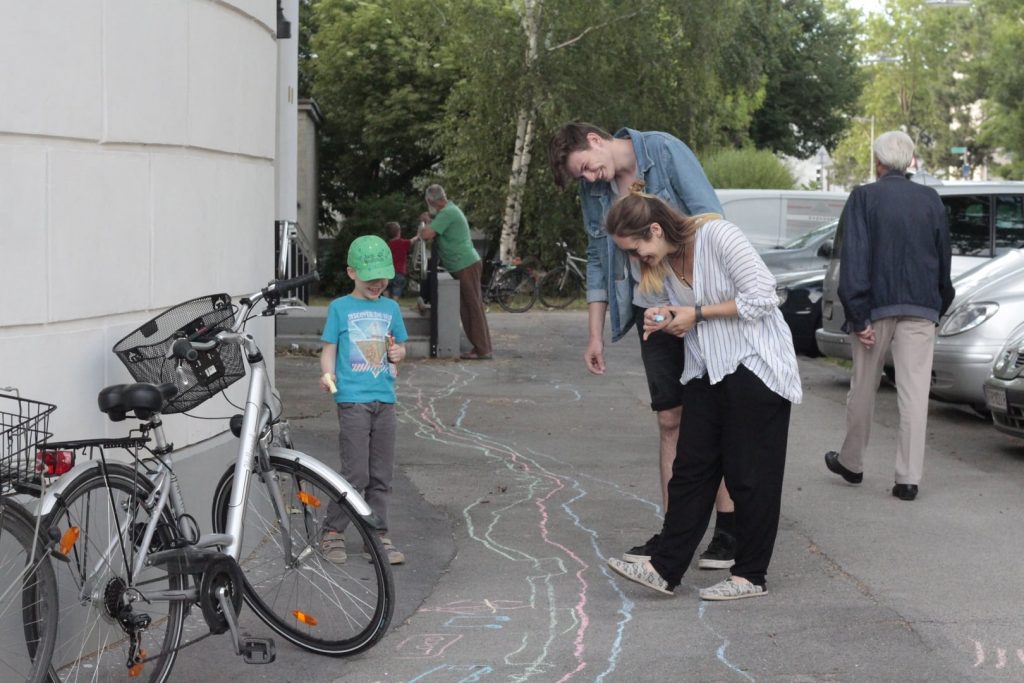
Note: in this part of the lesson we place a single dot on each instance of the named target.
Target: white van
(773, 218)
(985, 220)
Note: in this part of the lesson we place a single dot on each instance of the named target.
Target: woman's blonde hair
(633, 215)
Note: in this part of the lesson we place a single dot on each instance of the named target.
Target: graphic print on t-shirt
(368, 332)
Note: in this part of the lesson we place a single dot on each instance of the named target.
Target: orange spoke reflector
(135, 669)
(307, 619)
(308, 499)
(68, 540)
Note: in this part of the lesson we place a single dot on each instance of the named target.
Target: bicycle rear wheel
(516, 290)
(331, 608)
(560, 287)
(101, 604)
(28, 598)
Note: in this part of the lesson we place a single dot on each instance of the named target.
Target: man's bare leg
(668, 427)
(723, 501)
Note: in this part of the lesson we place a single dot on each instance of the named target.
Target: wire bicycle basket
(144, 351)
(24, 427)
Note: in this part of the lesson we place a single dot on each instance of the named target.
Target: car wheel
(811, 345)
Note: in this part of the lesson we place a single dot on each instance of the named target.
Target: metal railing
(293, 253)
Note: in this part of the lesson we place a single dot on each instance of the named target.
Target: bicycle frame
(255, 420)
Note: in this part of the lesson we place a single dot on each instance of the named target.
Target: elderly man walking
(894, 285)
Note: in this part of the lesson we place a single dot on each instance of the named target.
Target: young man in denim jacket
(606, 167)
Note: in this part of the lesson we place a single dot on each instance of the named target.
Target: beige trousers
(913, 343)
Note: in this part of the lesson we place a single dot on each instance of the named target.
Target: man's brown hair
(572, 137)
(392, 229)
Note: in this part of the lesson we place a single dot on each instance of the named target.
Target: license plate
(996, 398)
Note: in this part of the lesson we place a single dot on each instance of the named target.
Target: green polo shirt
(454, 243)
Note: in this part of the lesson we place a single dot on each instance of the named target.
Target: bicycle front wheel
(516, 290)
(560, 287)
(108, 615)
(337, 607)
(28, 598)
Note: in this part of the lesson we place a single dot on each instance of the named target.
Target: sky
(867, 5)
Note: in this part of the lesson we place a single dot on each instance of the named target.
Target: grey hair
(435, 193)
(894, 150)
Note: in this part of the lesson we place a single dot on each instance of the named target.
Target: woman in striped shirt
(740, 380)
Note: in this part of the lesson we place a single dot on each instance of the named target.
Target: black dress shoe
(833, 464)
(905, 491)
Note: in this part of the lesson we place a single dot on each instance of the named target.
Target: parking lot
(521, 475)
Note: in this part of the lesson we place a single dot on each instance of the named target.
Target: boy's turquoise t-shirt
(360, 328)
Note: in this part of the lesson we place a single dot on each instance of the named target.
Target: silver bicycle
(28, 588)
(564, 284)
(136, 562)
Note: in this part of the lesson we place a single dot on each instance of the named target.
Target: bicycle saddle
(143, 399)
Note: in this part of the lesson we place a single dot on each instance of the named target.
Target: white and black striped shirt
(726, 267)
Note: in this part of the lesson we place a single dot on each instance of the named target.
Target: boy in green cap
(364, 340)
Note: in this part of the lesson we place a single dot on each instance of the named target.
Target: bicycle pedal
(258, 651)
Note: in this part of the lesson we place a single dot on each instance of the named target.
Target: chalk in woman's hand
(658, 318)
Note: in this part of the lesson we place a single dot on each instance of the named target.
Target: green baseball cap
(371, 258)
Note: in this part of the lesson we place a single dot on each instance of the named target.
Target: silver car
(1004, 389)
(988, 306)
(985, 220)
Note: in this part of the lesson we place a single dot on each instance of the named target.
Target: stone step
(415, 347)
(311, 322)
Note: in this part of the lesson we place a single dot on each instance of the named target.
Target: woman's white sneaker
(732, 590)
(640, 572)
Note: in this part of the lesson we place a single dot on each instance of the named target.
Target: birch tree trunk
(525, 119)
(517, 184)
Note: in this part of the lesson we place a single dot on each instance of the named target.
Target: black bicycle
(562, 285)
(512, 286)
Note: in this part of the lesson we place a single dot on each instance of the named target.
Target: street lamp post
(871, 142)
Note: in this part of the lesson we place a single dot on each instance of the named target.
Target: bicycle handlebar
(285, 286)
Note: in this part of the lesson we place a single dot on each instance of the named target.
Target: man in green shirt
(446, 221)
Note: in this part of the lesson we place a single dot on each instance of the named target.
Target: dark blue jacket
(895, 253)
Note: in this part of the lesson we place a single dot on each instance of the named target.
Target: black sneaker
(642, 553)
(721, 552)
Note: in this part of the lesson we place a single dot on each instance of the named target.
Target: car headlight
(967, 318)
(782, 293)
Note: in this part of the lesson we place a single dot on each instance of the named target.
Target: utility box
(449, 325)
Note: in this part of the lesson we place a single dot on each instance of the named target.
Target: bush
(748, 168)
(368, 218)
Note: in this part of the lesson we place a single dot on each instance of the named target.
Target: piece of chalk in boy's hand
(659, 318)
(330, 382)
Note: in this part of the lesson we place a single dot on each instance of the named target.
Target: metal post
(432, 292)
(871, 151)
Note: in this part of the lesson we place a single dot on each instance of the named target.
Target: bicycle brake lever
(293, 305)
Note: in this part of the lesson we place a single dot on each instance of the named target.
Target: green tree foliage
(415, 91)
(748, 168)
(648, 65)
(917, 61)
(813, 80)
(999, 39)
(381, 77)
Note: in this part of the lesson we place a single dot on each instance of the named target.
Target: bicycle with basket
(136, 561)
(28, 588)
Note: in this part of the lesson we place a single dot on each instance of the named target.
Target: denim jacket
(670, 170)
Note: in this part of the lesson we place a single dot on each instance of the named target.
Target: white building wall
(136, 171)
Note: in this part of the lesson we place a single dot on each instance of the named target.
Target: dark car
(799, 270)
(800, 302)
(810, 251)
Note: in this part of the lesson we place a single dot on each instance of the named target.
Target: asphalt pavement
(520, 475)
